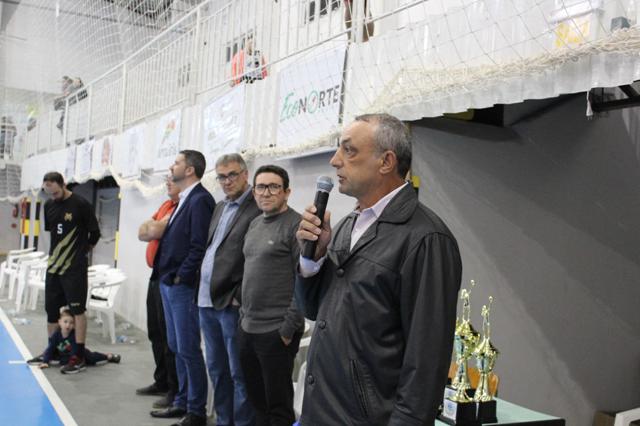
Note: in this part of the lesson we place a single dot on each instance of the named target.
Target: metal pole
(90, 100)
(123, 97)
(65, 121)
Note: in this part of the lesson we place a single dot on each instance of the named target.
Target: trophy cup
(485, 355)
(458, 407)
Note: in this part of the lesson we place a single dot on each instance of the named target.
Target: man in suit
(219, 292)
(181, 250)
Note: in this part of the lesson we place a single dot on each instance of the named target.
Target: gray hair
(225, 159)
(393, 135)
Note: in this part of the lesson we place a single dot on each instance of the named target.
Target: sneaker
(36, 360)
(75, 365)
(115, 359)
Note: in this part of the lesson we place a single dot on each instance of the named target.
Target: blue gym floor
(23, 402)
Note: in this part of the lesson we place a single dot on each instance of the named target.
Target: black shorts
(68, 289)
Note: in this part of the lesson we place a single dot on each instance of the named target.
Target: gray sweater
(271, 254)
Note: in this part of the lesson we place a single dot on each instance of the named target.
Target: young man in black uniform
(74, 231)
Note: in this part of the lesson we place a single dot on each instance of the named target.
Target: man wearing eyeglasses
(270, 323)
(219, 290)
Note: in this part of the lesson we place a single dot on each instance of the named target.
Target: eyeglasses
(231, 176)
(274, 188)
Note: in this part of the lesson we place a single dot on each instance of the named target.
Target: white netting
(43, 40)
(280, 78)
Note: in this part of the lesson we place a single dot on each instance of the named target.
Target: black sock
(80, 352)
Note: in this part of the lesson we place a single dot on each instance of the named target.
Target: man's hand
(309, 230)
(43, 365)
(285, 340)
(153, 229)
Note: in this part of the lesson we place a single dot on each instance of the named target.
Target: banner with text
(129, 151)
(83, 159)
(101, 154)
(70, 165)
(167, 140)
(223, 125)
(309, 98)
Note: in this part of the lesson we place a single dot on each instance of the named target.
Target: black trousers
(267, 365)
(165, 375)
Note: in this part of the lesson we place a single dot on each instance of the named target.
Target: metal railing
(191, 57)
(190, 62)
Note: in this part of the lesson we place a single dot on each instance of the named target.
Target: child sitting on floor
(62, 344)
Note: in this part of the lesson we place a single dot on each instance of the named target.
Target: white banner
(101, 154)
(34, 168)
(70, 166)
(83, 159)
(129, 151)
(309, 98)
(223, 125)
(30, 173)
(167, 140)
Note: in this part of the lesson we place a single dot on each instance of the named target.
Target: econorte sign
(309, 98)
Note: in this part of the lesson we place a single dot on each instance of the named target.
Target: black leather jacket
(385, 316)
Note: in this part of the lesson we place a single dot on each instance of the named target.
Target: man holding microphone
(382, 287)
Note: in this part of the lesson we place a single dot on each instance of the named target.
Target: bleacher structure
(157, 80)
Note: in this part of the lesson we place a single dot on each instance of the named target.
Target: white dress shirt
(365, 219)
(183, 196)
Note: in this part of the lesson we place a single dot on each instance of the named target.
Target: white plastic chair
(15, 274)
(625, 418)
(98, 268)
(11, 264)
(28, 269)
(298, 385)
(101, 299)
(35, 283)
(298, 390)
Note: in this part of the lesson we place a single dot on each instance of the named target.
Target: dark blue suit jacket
(184, 241)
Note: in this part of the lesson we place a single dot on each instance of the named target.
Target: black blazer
(226, 281)
(184, 242)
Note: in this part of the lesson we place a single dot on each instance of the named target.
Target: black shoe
(36, 360)
(191, 420)
(154, 390)
(169, 413)
(164, 402)
(115, 358)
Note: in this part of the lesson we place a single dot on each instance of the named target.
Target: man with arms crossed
(219, 293)
(178, 261)
(165, 380)
(270, 324)
(382, 288)
(74, 231)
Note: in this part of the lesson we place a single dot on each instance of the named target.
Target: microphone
(324, 185)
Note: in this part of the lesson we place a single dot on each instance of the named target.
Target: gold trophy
(458, 407)
(485, 354)
(465, 341)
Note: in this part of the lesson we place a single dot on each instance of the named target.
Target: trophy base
(459, 413)
(487, 412)
(449, 391)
